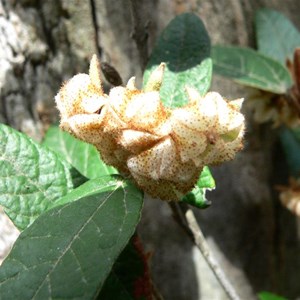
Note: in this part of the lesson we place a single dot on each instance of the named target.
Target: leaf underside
(276, 35)
(248, 67)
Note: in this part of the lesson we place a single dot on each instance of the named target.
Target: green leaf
(68, 251)
(290, 140)
(184, 46)
(251, 68)
(129, 278)
(269, 296)
(206, 180)
(84, 157)
(276, 35)
(102, 184)
(32, 177)
(197, 197)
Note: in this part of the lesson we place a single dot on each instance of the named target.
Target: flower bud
(163, 150)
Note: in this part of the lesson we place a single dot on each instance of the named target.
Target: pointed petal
(131, 84)
(93, 104)
(155, 79)
(94, 72)
(193, 94)
(237, 104)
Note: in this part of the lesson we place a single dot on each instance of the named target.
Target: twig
(139, 32)
(187, 220)
(156, 293)
(180, 219)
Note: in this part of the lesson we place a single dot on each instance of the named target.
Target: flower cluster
(290, 196)
(279, 108)
(269, 107)
(162, 150)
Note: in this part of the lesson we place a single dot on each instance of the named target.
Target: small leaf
(197, 196)
(68, 252)
(251, 68)
(269, 296)
(206, 180)
(184, 46)
(84, 157)
(32, 177)
(276, 35)
(129, 278)
(290, 140)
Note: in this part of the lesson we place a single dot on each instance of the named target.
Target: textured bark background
(45, 42)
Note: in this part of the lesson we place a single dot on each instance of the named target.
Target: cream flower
(163, 150)
(290, 196)
(269, 107)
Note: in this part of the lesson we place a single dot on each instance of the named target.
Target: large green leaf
(124, 285)
(184, 46)
(32, 177)
(276, 36)
(84, 157)
(197, 197)
(68, 251)
(251, 68)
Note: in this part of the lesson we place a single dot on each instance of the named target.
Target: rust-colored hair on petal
(163, 150)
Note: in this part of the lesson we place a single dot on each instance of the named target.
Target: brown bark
(43, 43)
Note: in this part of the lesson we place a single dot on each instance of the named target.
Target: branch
(187, 220)
(139, 32)
(96, 28)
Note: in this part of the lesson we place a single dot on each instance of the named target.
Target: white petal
(93, 104)
(131, 84)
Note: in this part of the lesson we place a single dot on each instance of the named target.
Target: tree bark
(43, 43)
